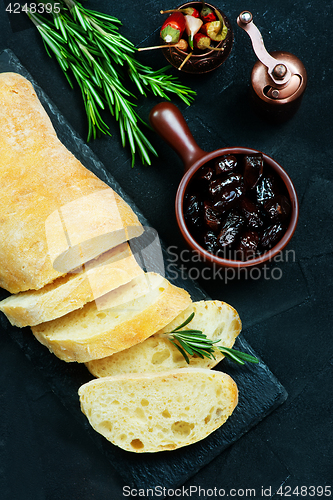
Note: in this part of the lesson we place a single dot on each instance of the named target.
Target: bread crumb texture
(214, 318)
(146, 413)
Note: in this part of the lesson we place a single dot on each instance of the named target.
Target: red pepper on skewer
(207, 14)
(190, 11)
(173, 28)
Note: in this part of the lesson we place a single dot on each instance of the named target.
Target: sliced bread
(74, 290)
(214, 318)
(115, 321)
(147, 413)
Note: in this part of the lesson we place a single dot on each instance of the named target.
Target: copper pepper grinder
(278, 79)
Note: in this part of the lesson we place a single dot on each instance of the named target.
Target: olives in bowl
(236, 207)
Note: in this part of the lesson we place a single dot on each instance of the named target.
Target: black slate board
(259, 390)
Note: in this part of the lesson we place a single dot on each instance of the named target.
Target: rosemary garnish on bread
(195, 342)
(89, 49)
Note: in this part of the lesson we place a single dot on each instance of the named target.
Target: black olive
(225, 164)
(230, 229)
(253, 169)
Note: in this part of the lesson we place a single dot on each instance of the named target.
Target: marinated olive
(212, 217)
(206, 174)
(229, 198)
(230, 229)
(210, 242)
(225, 164)
(193, 211)
(272, 235)
(253, 169)
(248, 245)
(278, 208)
(266, 189)
(252, 213)
(218, 187)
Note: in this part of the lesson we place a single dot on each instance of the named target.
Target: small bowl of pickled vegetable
(236, 207)
(198, 37)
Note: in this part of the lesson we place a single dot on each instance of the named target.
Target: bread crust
(38, 176)
(72, 291)
(102, 340)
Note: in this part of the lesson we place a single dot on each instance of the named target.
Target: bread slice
(74, 290)
(147, 413)
(55, 215)
(115, 321)
(214, 318)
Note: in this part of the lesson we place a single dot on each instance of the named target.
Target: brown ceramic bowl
(170, 124)
(203, 61)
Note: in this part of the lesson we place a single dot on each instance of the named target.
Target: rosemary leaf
(193, 334)
(196, 342)
(185, 346)
(105, 17)
(186, 322)
(204, 354)
(201, 354)
(53, 46)
(141, 147)
(181, 351)
(122, 131)
(75, 34)
(128, 128)
(109, 97)
(241, 355)
(95, 94)
(146, 143)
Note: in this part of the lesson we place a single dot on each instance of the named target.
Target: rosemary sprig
(190, 342)
(88, 46)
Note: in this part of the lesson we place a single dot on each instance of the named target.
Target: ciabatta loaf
(74, 290)
(55, 214)
(116, 321)
(214, 318)
(147, 413)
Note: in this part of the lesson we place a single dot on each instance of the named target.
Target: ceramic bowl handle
(167, 120)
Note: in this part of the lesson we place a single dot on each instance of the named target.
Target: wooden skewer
(157, 47)
(182, 44)
(215, 48)
(169, 11)
(185, 60)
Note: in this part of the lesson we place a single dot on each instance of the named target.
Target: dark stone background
(44, 454)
